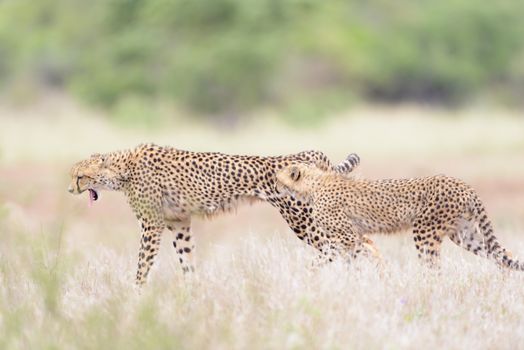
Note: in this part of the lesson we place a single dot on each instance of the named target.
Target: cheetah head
(296, 179)
(95, 174)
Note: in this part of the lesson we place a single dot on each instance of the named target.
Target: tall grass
(263, 293)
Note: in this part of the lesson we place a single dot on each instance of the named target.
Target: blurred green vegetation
(226, 57)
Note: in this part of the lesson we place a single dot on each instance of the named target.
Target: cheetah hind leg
(428, 240)
(477, 236)
(183, 243)
(465, 234)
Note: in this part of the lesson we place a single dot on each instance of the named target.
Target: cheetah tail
(348, 165)
(495, 251)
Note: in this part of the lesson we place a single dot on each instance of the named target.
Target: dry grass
(261, 295)
(66, 271)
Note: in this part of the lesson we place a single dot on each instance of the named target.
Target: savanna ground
(66, 270)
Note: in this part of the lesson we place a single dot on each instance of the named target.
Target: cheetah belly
(181, 208)
(174, 209)
(225, 205)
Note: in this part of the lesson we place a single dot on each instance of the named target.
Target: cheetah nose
(71, 189)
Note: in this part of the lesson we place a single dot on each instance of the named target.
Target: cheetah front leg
(149, 245)
(183, 243)
(363, 247)
(337, 237)
(298, 214)
(368, 249)
(342, 238)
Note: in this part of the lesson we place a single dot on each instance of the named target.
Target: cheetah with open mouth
(166, 186)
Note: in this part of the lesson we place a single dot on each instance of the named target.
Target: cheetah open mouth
(93, 195)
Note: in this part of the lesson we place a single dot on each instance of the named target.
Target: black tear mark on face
(78, 183)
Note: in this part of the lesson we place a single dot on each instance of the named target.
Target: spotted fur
(166, 187)
(432, 207)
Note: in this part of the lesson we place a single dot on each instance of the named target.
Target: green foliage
(228, 56)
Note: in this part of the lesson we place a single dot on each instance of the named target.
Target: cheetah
(433, 207)
(166, 186)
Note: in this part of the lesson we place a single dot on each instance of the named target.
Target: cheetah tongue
(93, 196)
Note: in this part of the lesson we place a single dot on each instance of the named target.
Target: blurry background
(226, 60)
(414, 87)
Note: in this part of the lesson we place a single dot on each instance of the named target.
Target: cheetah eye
(295, 174)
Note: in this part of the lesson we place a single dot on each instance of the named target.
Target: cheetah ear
(106, 161)
(294, 173)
